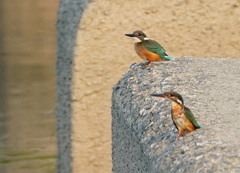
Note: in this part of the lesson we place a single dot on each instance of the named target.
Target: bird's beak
(130, 35)
(158, 95)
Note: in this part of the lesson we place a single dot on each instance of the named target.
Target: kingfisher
(148, 49)
(182, 116)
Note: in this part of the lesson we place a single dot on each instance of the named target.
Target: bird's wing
(153, 46)
(190, 116)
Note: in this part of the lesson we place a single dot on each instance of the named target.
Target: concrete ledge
(143, 135)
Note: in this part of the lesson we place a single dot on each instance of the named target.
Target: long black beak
(130, 35)
(158, 95)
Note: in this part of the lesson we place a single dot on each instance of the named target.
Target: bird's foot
(178, 137)
(187, 133)
(149, 64)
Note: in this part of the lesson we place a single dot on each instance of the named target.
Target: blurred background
(27, 86)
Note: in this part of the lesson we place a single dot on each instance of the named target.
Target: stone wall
(143, 134)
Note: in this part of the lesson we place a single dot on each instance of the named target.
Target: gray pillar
(69, 15)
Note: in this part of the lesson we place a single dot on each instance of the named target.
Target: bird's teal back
(153, 46)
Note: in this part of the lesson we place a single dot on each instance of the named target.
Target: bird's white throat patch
(176, 102)
(146, 38)
(179, 101)
(136, 40)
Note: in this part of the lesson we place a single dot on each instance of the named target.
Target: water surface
(27, 86)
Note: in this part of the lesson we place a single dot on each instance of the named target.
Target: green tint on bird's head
(173, 96)
(137, 34)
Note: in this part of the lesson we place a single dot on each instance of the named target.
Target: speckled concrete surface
(142, 130)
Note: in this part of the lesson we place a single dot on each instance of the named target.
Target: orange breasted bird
(148, 49)
(182, 117)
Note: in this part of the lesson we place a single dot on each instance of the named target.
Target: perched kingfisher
(148, 49)
(182, 117)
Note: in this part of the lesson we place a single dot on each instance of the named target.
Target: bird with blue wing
(148, 49)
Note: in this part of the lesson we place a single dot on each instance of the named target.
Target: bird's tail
(168, 58)
(198, 127)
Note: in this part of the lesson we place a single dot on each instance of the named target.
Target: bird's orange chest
(145, 54)
(177, 111)
(180, 118)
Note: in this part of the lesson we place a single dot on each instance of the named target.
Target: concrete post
(143, 134)
(69, 16)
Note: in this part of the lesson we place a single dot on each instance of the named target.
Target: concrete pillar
(69, 16)
(143, 134)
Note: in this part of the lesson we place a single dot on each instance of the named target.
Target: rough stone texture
(143, 134)
(69, 15)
